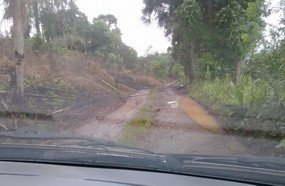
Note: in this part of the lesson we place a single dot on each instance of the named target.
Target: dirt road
(176, 128)
(175, 132)
(109, 127)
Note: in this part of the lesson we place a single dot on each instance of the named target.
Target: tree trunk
(237, 71)
(190, 64)
(19, 51)
(36, 14)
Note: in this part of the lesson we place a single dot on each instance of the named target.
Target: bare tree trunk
(237, 71)
(19, 50)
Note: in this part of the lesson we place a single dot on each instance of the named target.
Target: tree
(18, 7)
(186, 26)
(128, 54)
(109, 19)
(226, 29)
(18, 10)
(99, 35)
(182, 20)
(243, 25)
(37, 6)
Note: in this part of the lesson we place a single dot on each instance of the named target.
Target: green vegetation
(232, 67)
(4, 86)
(60, 26)
(258, 99)
(218, 48)
(253, 106)
(161, 66)
(225, 31)
(249, 99)
(138, 126)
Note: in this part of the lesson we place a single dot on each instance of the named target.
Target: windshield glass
(187, 77)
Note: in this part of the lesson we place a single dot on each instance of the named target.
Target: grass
(4, 86)
(253, 107)
(138, 126)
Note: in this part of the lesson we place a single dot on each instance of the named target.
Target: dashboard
(18, 173)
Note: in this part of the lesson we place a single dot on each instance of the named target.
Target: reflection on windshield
(219, 88)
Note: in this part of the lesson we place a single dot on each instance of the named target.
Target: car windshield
(181, 77)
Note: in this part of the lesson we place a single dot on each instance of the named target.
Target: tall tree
(186, 35)
(242, 23)
(227, 29)
(18, 6)
(180, 19)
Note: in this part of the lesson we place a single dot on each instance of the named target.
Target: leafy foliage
(228, 30)
(162, 66)
(60, 25)
(257, 103)
(178, 72)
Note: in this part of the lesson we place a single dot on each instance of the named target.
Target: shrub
(252, 104)
(37, 43)
(160, 68)
(178, 72)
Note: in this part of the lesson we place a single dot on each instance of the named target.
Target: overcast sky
(135, 33)
(129, 13)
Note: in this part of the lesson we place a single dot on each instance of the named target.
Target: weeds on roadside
(253, 106)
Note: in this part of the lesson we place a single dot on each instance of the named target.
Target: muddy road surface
(179, 126)
(109, 127)
(185, 128)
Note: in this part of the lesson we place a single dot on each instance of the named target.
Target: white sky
(128, 12)
(135, 33)
(274, 18)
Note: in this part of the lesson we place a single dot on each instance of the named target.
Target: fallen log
(61, 110)
(112, 87)
(3, 126)
(6, 92)
(116, 90)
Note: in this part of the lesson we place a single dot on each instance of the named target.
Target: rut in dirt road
(174, 131)
(109, 127)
